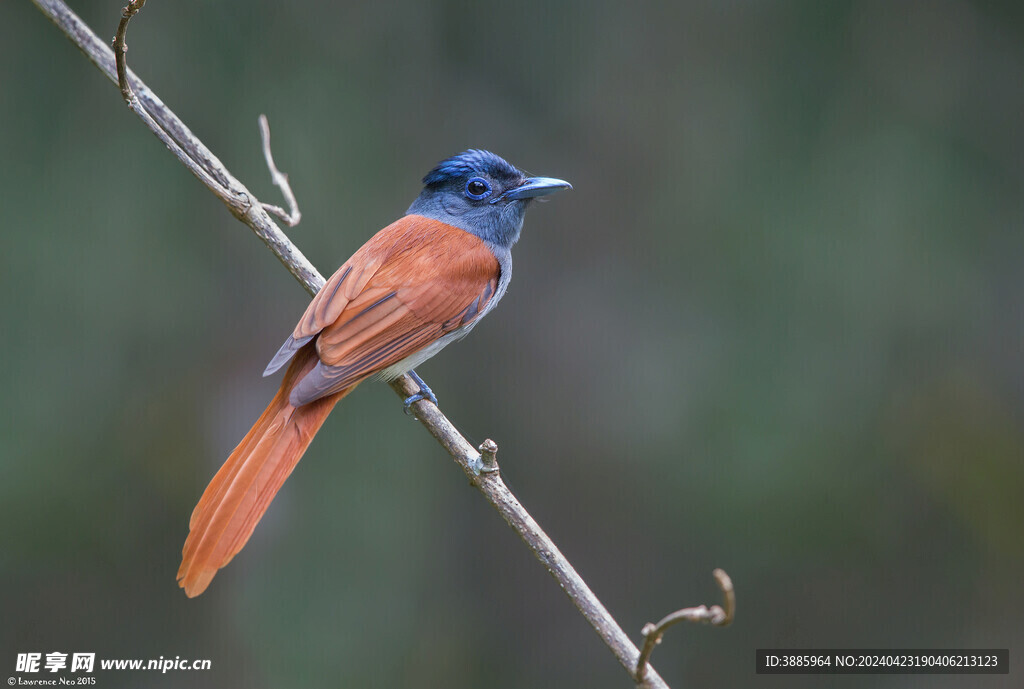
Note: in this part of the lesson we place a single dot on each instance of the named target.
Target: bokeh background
(776, 328)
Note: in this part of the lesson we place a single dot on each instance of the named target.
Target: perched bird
(420, 283)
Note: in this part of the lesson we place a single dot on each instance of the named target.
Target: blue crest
(471, 162)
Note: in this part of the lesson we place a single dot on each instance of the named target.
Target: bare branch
(292, 216)
(716, 615)
(516, 516)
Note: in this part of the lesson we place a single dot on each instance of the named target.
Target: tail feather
(241, 491)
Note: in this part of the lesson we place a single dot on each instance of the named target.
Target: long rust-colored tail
(241, 491)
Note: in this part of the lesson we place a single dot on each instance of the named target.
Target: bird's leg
(425, 393)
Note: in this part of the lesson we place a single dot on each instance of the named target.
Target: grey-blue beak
(533, 187)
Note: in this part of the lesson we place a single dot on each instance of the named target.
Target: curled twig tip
(716, 615)
(728, 596)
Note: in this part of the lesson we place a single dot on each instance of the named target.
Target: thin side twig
(244, 205)
(121, 48)
(716, 615)
(292, 216)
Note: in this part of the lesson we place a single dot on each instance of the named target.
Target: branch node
(292, 216)
(715, 615)
(488, 457)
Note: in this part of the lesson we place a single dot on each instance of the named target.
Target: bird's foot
(425, 393)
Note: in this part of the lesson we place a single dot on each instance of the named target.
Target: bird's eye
(477, 188)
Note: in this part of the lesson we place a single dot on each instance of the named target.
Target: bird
(415, 287)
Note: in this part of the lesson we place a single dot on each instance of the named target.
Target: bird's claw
(413, 399)
(425, 393)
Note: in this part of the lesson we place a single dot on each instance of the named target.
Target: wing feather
(415, 281)
(328, 304)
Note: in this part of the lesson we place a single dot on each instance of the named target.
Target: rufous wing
(346, 283)
(418, 280)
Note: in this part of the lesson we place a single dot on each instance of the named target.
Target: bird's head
(481, 193)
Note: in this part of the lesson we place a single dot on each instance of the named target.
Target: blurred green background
(776, 328)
